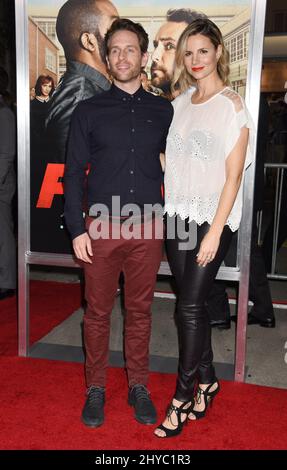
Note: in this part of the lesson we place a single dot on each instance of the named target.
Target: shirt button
(132, 110)
(131, 172)
(133, 130)
(132, 150)
(131, 190)
(124, 99)
(139, 99)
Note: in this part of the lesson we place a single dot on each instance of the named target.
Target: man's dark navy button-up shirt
(119, 137)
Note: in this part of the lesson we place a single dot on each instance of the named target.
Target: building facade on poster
(233, 20)
(43, 53)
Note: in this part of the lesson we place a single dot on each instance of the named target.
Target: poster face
(58, 58)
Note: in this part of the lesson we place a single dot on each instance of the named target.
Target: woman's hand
(208, 248)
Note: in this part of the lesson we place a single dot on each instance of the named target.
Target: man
(119, 135)
(7, 190)
(81, 26)
(165, 44)
(86, 72)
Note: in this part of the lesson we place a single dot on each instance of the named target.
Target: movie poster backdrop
(164, 20)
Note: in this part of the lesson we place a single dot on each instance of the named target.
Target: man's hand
(83, 247)
(162, 161)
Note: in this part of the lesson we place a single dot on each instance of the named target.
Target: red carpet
(41, 403)
(50, 304)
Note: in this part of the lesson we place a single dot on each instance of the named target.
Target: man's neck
(129, 87)
(94, 62)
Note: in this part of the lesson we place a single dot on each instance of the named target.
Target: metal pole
(252, 101)
(276, 221)
(259, 225)
(280, 167)
(279, 187)
(23, 115)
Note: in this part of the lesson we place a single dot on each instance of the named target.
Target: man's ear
(145, 56)
(89, 42)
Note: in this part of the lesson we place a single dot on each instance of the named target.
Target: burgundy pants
(139, 260)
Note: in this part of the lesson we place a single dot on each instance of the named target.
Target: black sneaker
(221, 324)
(93, 411)
(267, 322)
(145, 412)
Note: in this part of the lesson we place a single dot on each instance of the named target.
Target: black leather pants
(194, 284)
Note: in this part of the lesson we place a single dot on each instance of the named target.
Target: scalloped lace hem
(193, 215)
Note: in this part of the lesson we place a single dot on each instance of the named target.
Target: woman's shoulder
(35, 103)
(238, 110)
(233, 99)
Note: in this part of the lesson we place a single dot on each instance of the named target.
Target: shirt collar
(42, 100)
(121, 94)
(90, 73)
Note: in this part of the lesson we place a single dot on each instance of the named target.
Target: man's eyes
(169, 46)
(117, 51)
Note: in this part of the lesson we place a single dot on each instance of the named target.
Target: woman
(205, 159)
(44, 89)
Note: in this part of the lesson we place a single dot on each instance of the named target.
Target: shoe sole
(148, 423)
(92, 425)
(255, 321)
(267, 326)
(223, 327)
(263, 325)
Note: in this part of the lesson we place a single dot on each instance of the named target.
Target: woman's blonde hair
(182, 80)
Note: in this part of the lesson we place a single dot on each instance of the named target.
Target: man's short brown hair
(124, 24)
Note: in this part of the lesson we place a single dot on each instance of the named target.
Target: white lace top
(200, 139)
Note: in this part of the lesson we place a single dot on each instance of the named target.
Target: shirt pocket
(150, 134)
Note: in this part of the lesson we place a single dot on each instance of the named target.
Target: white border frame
(26, 257)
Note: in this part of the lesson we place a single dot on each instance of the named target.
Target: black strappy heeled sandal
(207, 397)
(179, 410)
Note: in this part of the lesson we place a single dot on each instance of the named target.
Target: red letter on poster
(51, 185)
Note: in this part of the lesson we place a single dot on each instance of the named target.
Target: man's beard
(101, 46)
(164, 82)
